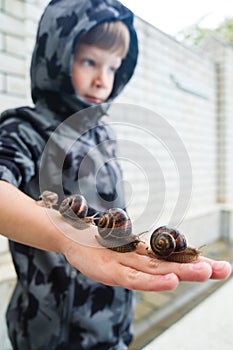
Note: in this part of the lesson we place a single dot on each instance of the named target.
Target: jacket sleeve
(18, 152)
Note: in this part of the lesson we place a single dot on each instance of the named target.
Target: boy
(85, 53)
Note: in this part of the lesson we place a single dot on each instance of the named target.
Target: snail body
(170, 245)
(120, 246)
(115, 231)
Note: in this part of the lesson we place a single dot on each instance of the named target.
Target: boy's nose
(100, 78)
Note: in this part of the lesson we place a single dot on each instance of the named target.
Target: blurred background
(174, 17)
(175, 121)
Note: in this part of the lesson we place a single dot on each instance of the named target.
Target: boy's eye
(88, 62)
(112, 69)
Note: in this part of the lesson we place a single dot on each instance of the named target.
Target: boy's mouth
(93, 99)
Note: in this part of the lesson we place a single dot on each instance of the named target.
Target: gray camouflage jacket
(63, 144)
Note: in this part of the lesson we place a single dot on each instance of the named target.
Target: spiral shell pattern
(76, 204)
(165, 241)
(114, 224)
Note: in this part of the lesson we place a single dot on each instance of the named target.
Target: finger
(138, 280)
(220, 269)
(195, 272)
(198, 271)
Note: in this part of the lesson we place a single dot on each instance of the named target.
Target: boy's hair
(113, 36)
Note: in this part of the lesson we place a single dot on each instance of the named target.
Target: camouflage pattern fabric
(53, 305)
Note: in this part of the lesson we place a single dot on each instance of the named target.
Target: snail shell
(48, 199)
(74, 209)
(114, 223)
(164, 241)
(169, 244)
(76, 203)
(115, 231)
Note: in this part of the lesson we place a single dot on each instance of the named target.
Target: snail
(115, 231)
(48, 199)
(74, 204)
(74, 208)
(170, 245)
(114, 225)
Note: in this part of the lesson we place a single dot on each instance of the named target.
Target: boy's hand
(135, 270)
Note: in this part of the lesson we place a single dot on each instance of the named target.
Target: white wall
(18, 28)
(180, 85)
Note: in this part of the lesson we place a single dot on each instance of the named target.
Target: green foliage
(226, 30)
(194, 34)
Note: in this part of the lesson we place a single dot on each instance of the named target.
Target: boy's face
(93, 72)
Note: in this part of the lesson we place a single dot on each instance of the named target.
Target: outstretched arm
(24, 221)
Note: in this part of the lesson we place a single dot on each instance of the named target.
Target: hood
(59, 29)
